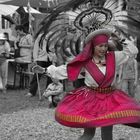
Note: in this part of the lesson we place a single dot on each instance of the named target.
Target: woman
(99, 103)
(24, 44)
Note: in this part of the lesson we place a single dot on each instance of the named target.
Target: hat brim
(97, 32)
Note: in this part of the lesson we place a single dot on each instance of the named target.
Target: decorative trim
(80, 119)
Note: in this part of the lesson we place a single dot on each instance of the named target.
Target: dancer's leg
(88, 134)
(107, 133)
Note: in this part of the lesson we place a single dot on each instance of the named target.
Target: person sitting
(52, 92)
(4, 54)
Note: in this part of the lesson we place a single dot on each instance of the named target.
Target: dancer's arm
(128, 50)
(136, 72)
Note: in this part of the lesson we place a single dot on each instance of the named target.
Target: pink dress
(86, 107)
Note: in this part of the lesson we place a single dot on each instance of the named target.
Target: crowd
(107, 62)
(26, 49)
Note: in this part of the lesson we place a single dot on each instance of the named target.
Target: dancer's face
(100, 50)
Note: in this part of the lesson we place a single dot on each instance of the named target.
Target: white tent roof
(10, 9)
(32, 10)
(7, 9)
(3, 1)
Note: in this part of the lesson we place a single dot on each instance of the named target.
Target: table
(17, 73)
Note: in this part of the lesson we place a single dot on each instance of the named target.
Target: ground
(23, 118)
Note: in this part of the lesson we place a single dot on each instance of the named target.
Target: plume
(70, 22)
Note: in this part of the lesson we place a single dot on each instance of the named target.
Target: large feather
(73, 16)
(65, 6)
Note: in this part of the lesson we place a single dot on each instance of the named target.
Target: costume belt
(102, 89)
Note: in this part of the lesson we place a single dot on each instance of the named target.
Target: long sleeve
(129, 50)
(7, 47)
(136, 70)
(59, 72)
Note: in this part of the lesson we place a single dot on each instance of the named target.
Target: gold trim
(80, 119)
(102, 90)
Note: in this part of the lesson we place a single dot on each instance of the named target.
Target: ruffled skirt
(85, 108)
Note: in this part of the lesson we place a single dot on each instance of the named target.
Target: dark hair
(117, 42)
(6, 35)
(21, 28)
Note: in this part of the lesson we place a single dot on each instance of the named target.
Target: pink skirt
(85, 108)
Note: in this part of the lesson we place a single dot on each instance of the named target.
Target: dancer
(99, 103)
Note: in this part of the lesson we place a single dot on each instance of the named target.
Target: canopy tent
(15, 15)
(3, 1)
(10, 9)
(33, 3)
(7, 9)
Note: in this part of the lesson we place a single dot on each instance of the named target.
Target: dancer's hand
(38, 69)
(33, 64)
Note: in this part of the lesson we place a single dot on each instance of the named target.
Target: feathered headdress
(71, 21)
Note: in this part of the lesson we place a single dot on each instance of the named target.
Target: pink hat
(100, 39)
(99, 36)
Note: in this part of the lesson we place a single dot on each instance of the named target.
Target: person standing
(41, 58)
(99, 103)
(129, 76)
(4, 54)
(24, 44)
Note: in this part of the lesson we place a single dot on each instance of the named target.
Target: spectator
(54, 89)
(11, 43)
(4, 53)
(24, 44)
(40, 57)
(129, 76)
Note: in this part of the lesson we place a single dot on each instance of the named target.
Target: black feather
(72, 46)
(65, 6)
